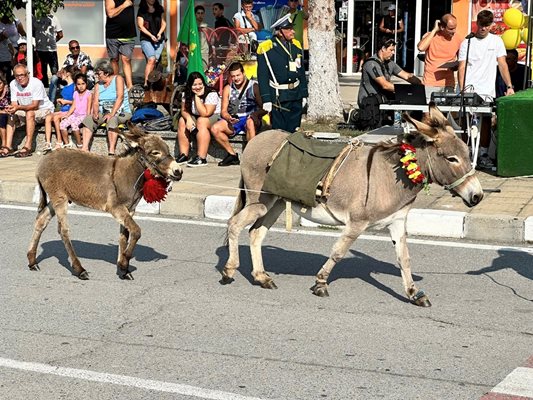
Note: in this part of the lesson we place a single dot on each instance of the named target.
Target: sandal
(23, 153)
(47, 148)
(6, 151)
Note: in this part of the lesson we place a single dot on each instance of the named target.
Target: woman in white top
(200, 109)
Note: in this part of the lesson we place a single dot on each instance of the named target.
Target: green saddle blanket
(300, 165)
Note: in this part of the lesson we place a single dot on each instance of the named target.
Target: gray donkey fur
(371, 189)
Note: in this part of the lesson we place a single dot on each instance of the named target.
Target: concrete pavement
(505, 215)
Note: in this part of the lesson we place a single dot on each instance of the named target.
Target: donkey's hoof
(422, 302)
(226, 280)
(320, 290)
(34, 267)
(127, 276)
(420, 299)
(269, 285)
(84, 276)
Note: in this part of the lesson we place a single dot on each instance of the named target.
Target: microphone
(470, 35)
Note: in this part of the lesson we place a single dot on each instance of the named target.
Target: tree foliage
(39, 7)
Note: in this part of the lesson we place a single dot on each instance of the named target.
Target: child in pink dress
(81, 107)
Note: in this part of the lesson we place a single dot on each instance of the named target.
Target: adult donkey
(111, 184)
(371, 188)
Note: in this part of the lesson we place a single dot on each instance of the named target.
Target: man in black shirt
(120, 33)
(220, 20)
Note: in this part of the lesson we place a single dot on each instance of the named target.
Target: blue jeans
(52, 89)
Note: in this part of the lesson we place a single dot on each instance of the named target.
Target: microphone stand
(466, 130)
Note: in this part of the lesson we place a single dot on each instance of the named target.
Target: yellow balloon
(513, 18)
(511, 38)
(523, 34)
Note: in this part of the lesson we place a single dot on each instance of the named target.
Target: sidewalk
(502, 217)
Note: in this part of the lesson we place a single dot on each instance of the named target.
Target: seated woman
(199, 111)
(111, 106)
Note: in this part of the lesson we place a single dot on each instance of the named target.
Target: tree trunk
(324, 95)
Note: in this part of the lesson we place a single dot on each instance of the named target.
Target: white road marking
(322, 233)
(123, 380)
(517, 383)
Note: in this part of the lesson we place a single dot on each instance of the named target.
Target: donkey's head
(444, 157)
(154, 153)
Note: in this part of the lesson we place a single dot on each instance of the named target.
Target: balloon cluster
(517, 22)
(213, 73)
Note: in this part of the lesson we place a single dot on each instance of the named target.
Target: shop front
(358, 29)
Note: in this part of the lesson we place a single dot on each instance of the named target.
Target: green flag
(189, 35)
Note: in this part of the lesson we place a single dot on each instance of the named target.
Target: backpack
(146, 113)
(159, 124)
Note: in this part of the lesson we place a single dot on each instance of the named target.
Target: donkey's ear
(134, 134)
(435, 117)
(427, 132)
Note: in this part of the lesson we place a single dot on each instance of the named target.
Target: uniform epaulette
(297, 43)
(264, 46)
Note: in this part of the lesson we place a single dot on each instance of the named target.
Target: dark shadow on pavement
(518, 261)
(93, 251)
(279, 261)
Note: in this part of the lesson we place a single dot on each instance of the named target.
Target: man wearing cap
(281, 76)
(390, 25)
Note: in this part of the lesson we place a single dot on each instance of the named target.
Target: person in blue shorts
(241, 112)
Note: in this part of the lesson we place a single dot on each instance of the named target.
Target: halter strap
(453, 184)
(460, 180)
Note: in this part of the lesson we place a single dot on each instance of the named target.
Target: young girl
(81, 107)
(4, 102)
(67, 95)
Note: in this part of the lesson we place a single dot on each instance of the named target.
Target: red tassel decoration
(154, 189)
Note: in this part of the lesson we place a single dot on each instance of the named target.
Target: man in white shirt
(247, 23)
(29, 104)
(486, 52)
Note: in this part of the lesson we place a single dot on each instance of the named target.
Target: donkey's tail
(240, 202)
(43, 201)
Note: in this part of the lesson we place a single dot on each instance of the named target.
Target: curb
(420, 222)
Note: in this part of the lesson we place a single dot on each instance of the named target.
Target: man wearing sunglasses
(76, 58)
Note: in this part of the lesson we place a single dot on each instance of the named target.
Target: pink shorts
(74, 121)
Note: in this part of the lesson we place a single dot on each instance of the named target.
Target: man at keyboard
(376, 86)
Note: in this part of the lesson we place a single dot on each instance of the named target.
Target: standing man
(120, 33)
(390, 25)
(220, 20)
(487, 52)
(47, 32)
(298, 16)
(199, 13)
(441, 45)
(376, 85)
(240, 113)
(29, 104)
(281, 75)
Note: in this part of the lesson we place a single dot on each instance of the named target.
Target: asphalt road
(176, 333)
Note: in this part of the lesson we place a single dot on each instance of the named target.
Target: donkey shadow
(280, 261)
(518, 261)
(93, 251)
